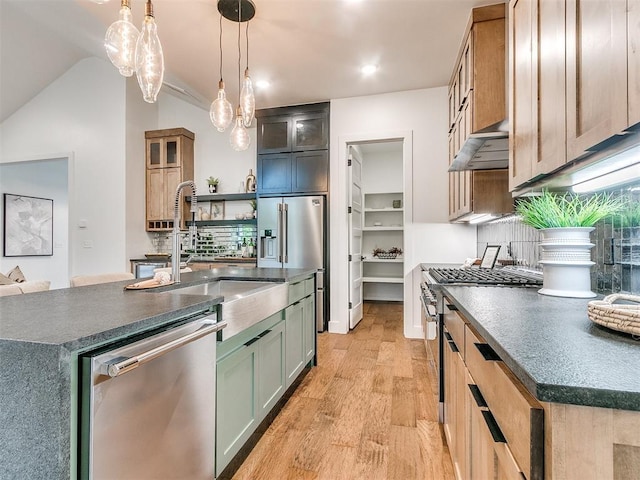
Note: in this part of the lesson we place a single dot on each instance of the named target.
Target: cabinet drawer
(296, 292)
(517, 412)
(455, 325)
(308, 287)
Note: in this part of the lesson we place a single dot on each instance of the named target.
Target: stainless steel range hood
(486, 149)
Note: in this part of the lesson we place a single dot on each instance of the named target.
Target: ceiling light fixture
(141, 52)
(221, 111)
(149, 58)
(241, 11)
(369, 69)
(120, 41)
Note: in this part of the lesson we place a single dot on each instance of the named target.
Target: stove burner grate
(482, 276)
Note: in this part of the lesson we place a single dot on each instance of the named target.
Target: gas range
(483, 276)
(437, 276)
(435, 309)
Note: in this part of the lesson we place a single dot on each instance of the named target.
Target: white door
(355, 237)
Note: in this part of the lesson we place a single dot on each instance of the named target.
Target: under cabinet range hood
(486, 149)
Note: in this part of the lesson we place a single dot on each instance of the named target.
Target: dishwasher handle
(128, 364)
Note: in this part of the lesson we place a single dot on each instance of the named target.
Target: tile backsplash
(616, 250)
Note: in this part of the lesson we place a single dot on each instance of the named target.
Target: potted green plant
(565, 222)
(254, 207)
(213, 184)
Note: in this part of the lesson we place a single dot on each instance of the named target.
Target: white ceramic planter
(566, 262)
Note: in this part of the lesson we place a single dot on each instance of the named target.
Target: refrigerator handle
(280, 231)
(285, 232)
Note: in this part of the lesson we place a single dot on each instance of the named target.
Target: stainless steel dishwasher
(148, 406)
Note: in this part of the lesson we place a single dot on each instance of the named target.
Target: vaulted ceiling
(308, 50)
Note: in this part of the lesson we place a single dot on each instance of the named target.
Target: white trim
(339, 299)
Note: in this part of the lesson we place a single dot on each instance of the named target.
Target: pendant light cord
(247, 36)
(220, 45)
(239, 50)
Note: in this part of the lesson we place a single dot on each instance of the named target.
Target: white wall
(43, 179)
(83, 113)
(98, 119)
(213, 153)
(140, 116)
(422, 113)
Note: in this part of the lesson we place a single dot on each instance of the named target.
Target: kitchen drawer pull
(487, 352)
(453, 308)
(493, 427)
(453, 346)
(266, 332)
(477, 395)
(252, 341)
(448, 337)
(128, 364)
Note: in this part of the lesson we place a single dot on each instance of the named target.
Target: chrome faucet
(175, 256)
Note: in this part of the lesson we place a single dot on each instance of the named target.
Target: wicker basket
(623, 318)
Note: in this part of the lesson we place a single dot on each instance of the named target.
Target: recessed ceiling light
(369, 69)
(262, 84)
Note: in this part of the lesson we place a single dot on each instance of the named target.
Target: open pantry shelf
(383, 279)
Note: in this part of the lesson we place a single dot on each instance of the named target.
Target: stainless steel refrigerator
(291, 234)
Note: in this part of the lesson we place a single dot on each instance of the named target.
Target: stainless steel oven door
(429, 317)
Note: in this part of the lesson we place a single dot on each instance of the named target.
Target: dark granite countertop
(76, 318)
(552, 347)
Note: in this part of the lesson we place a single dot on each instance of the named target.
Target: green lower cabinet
(252, 376)
(295, 354)
(250, 381)
(271, 373)
(309, 319)
(236, 402)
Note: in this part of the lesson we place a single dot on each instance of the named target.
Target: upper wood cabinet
(596, 72)
(293, 150)
(633, 51)
(477, 100)
(574, 76)
(537, 116)
(477, 92)
(169, 160)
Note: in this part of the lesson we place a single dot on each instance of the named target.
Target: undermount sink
(245, 303)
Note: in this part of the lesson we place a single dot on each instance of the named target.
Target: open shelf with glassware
(225, 209)
(382, 246)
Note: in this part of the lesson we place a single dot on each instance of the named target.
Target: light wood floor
(367, 411)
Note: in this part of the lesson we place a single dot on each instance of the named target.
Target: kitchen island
(41, 336)
(584, 376)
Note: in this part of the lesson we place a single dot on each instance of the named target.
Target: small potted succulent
(213, 184)
(565, 221)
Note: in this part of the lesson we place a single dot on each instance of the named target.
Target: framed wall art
(28, 226)
(217, 210)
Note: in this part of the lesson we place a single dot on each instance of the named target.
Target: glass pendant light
(247, 98)
(239, 139)
(120, 41)
(149, 59)
(239, 136)
(221, 111)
